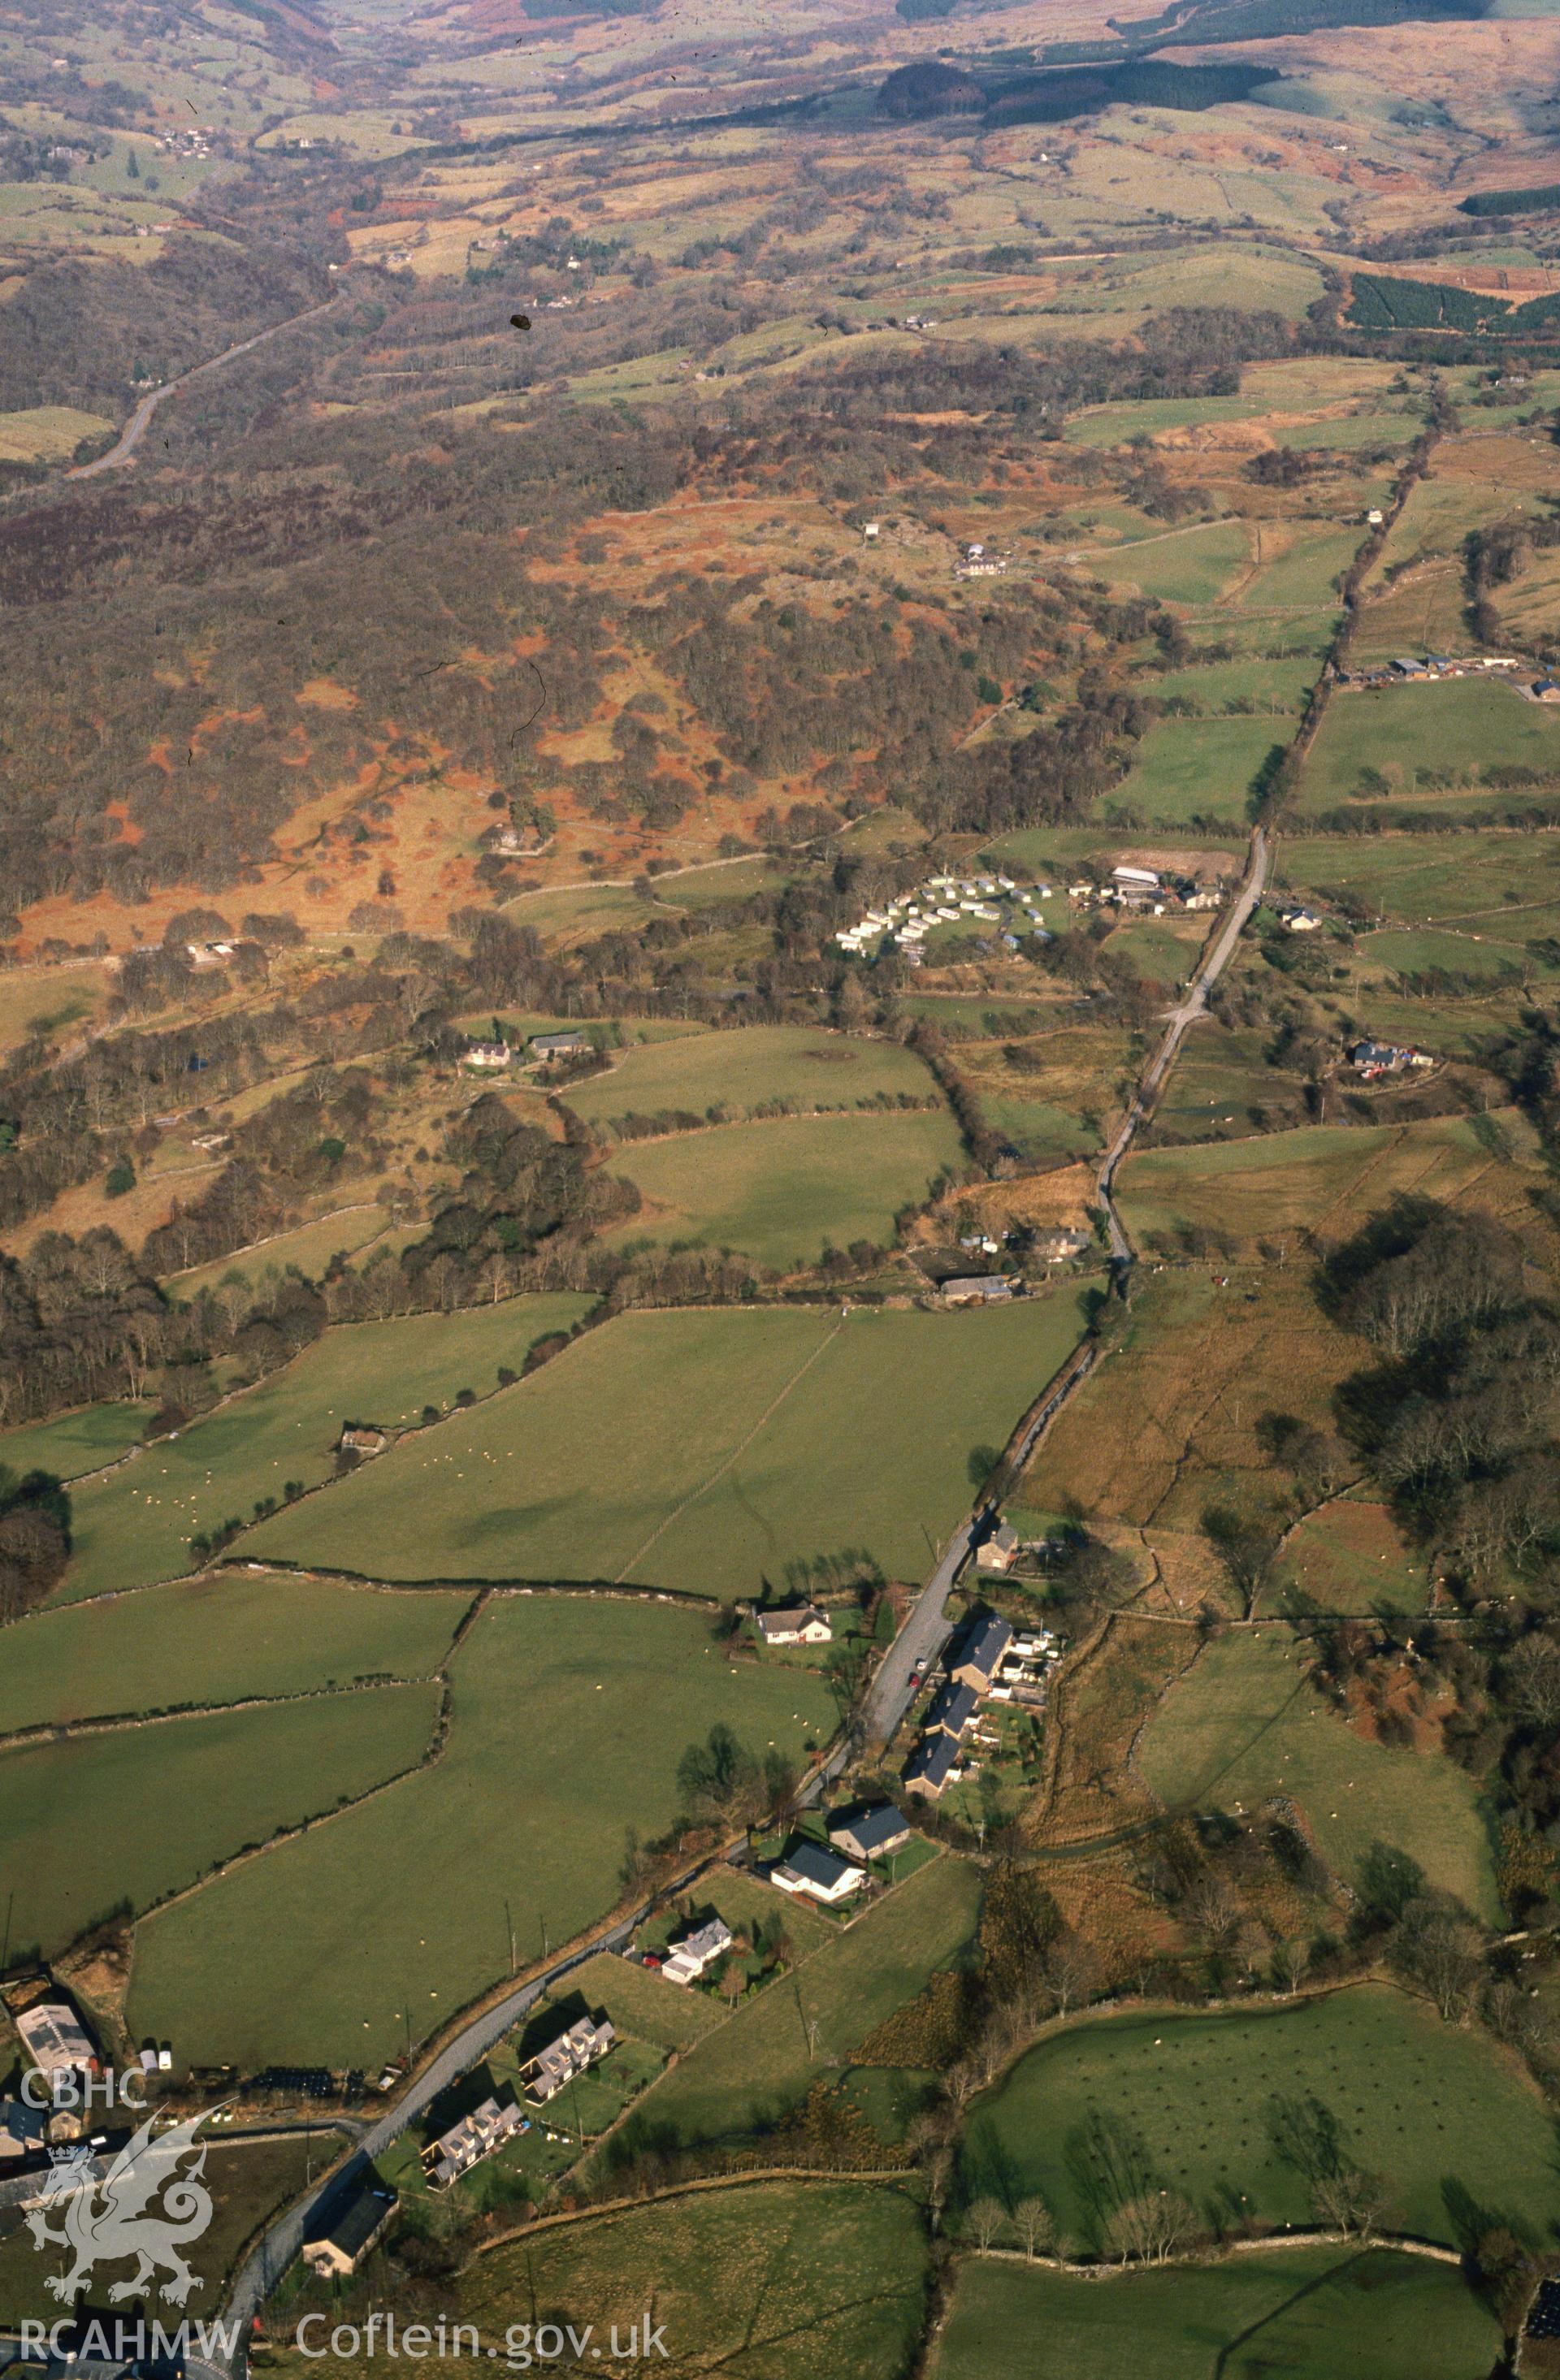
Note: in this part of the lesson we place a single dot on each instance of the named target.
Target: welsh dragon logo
(107, 2218)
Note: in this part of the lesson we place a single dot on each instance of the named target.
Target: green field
(669, 1448)
(1322, 1177)
(639, 2002)
(308, 1250)
(1301, 579)
(758, 2281)
(218, 1640)
(1207, 2104)
(1243, 1725)
(1305, 2314)
(1460, 728)
(570, 1714)
(136, 1526)
(1193, 566)
(759, 2063)
(1187, 769)
(780, 1191)
(740, 1071)
(1215, 687)
(96, 1821)
(47, 433)
(76, 1442)
(1501, 884)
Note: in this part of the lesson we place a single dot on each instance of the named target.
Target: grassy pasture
(757, 2062)
(1192, 567)
(1189, 768)
(747, 1069)
(759, 2281)
(47, 433)
(718, 1475)
(1462, 726)
(1219, 1082)
(74, 1442)
(48, 1004)
(1300, 576)
(1204, 2105)
(1242, 1724)
(1169, 1423)
(1214, 688)
(778, 1190)
(1486, 883)
(640, 2003)
(217, 1639)
(569, 1716)
(1349, 1557)
(1310, 2314)
(135, 1526)
(308, 1250)
(1322, 1178)
(92, 1821)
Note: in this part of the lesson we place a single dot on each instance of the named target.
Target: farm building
(686, 1960)
(336, 2253)
(209, 954)
(978, 1655)
(359, 1437)
(475, 2137)
(55, 2040)
(1134, 879)
(977, 1289)
(869, 1834)
(548, 1046)
(810, 1869)
(1000, 1550)
(794, 1623)
(543, 2076)
(932, 1765)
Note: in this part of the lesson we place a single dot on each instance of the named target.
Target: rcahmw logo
(142, 2208)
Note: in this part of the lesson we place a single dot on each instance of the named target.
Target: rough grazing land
(811, 1067)
(1242, 1724)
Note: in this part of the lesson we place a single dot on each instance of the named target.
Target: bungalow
(978, 1655)
(475, 2137)
(543, 2076)
(794, 1623)
(687, 1959)
(21, 2128)
(1000, 1550)
(808, 1868)
(548, 1046)
(932, 1765)
(1369, 1057)
(488, 1054)
(977, 1289)
(359, 2219)
(55, 2039)
(869, 1834)
(1301, 921)
(954, 1708)
(1546, 690)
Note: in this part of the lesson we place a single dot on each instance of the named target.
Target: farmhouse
(359, 2221)
(869, 1834)
(979, 1652)
(810, 1869)
(687, 1959)
(1000, 1550)
(475, 2137)
(55, 2039)
(209, 954)
(954, 1708)
(794, 1623)
(932, 1765)
(548, 1046)
(1060, 1246)
(488, 1054)
(977, 1289)
(543, 2076)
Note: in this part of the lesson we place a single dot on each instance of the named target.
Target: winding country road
(1195, 1004)
(130, 438)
